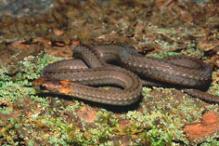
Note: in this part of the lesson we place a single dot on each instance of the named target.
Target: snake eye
(43, 87)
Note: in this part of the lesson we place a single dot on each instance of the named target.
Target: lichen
(158, 124)
(159, 120)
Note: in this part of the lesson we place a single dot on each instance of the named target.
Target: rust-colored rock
(208, 126)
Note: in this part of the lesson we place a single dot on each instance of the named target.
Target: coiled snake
(97, 66)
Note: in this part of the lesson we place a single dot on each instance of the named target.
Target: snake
(124, 71)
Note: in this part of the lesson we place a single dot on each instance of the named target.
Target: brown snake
(93, 67)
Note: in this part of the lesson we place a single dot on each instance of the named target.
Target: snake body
(181, 70)
(83, 76)
(93, 67)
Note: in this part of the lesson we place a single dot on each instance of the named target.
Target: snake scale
(125, 71)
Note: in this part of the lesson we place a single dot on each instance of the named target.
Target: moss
(8, 134)
(212, 141)
(100, 132)
(192, 50)
(167, 114)
(158, 122)
(164, 54)
(164, 127)
(20, 86)
(30, 68)
(74, 107)
(214, 88)
(15, 88)
(59, 129)
(6, 110)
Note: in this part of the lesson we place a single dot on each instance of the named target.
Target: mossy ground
(30, 118)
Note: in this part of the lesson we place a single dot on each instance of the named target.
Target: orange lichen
(208, 126)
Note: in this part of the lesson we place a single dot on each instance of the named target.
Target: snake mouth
(44, 84)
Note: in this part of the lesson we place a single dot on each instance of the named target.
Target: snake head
(55, 86)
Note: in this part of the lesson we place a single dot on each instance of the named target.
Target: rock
(208, 125)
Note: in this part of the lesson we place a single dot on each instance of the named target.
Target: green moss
(30, 68)
(100, 133)
(14, 88)
(105, 117)
(211, 142)
(30, 143)
(74, 107)
(164, 127)
(167, 114)
(158, 123)
(214, 88)
(59, 128)
(163, 54)
(6, 110)
(192, 50)
(20, 86)
(8, 133)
